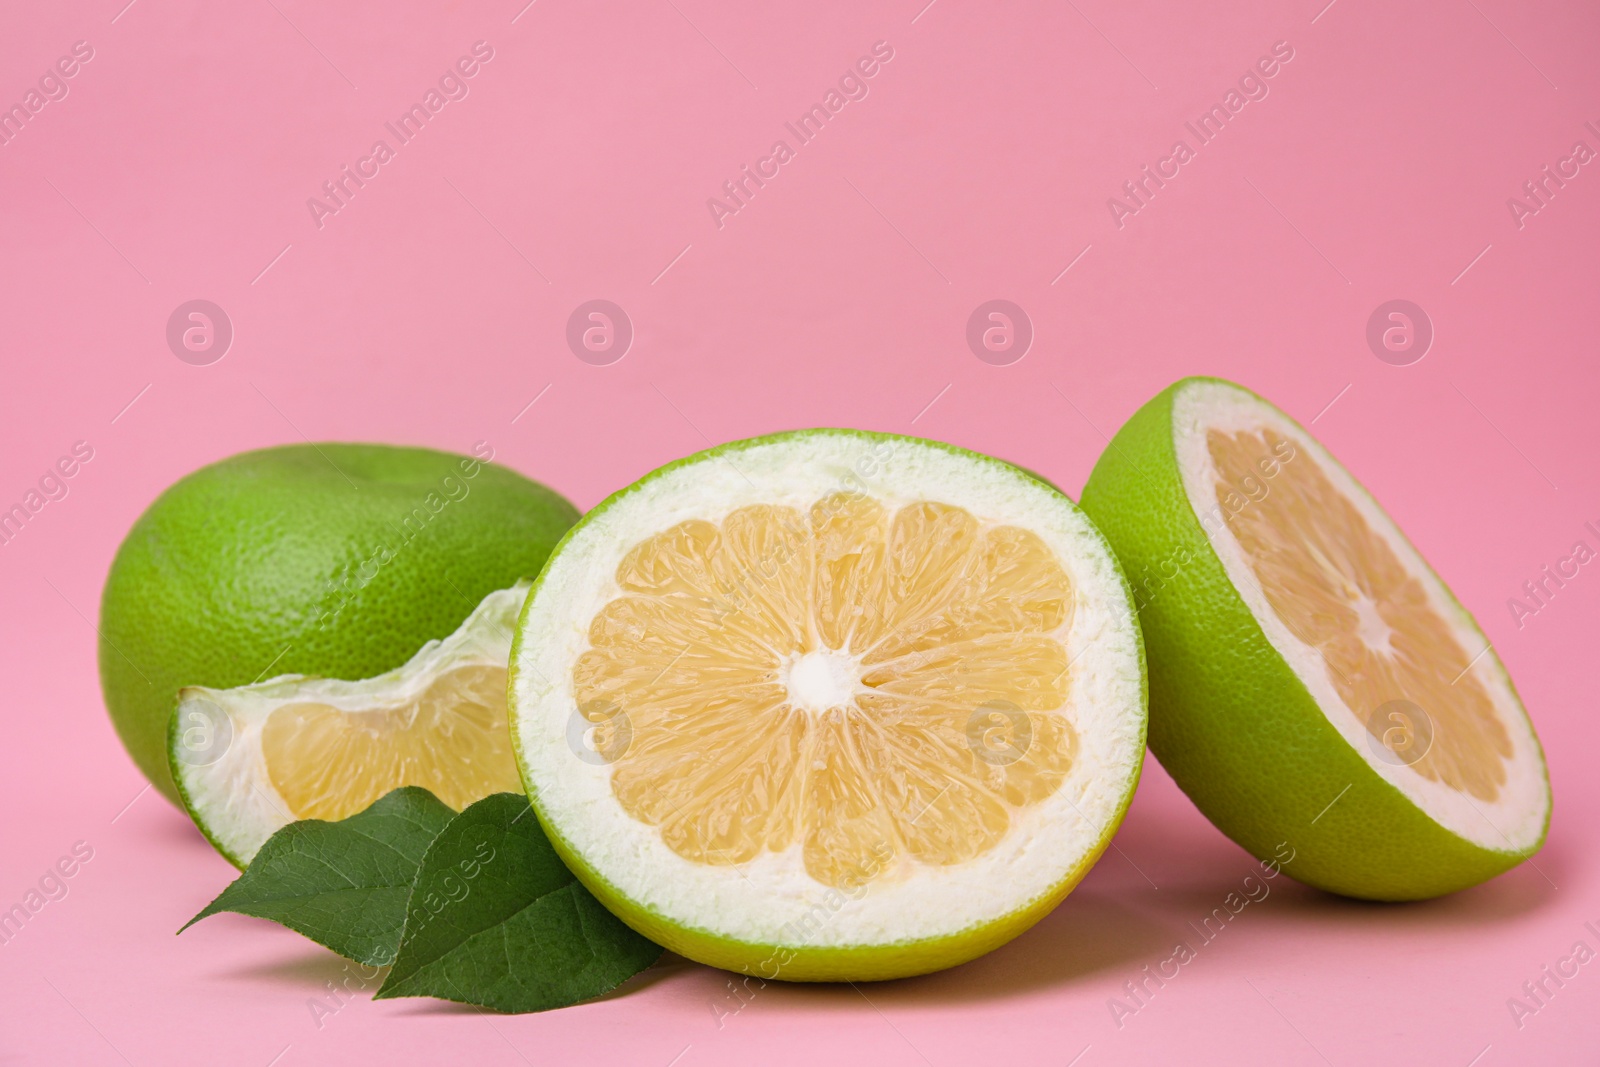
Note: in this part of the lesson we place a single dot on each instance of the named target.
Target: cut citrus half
(250, 760)
(830, 704)
(1313, 682)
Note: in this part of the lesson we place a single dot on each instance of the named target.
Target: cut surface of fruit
(252, 759)
(1340, 588)
(852, 679)
(784, 715)
(1337, 657)
(329, 762)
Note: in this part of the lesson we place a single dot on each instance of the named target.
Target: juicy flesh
(1340, 588)
(871, 688)
(453, 739)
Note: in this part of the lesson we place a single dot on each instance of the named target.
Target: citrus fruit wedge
(830, 704)
(1313, 683)
(252, 759)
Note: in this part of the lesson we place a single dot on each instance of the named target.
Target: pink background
(432, 310)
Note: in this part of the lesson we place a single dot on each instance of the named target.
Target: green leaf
(495, 919)
(342, 884)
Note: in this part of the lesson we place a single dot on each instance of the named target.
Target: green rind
(184, 801)
(227, 575)
(817, 963)
(1231, 721)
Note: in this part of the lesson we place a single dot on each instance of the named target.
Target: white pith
(1515, 820)
(772, 899)
(234, 799)
(821, 679)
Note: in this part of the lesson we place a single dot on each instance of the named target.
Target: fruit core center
(821, 679)
(1371, 627)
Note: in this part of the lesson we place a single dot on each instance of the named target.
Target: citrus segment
(252, 759)
(452, 739)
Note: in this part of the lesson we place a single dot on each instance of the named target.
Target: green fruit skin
(339, 560)
(1232, 723)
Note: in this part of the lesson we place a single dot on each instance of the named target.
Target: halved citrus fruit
(830, 704)
(1313, 682)
(250, 760)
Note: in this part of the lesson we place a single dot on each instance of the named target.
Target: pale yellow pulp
(1341, 589)
(875, 689)
(453, 739)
